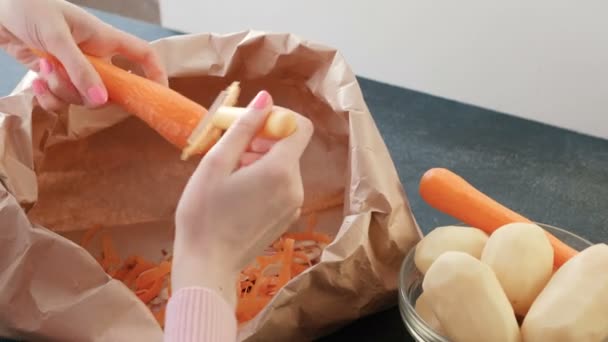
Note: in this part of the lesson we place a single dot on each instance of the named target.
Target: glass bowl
(410, 287)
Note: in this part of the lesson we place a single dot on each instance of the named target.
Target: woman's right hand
(240, 199)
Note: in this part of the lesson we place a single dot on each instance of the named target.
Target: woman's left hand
(66, 31)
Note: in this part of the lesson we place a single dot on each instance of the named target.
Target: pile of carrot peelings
(151, 282)
(287, 257)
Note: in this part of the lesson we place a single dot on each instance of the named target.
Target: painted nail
(261, 100)
(45, 67)
(97, 95)
(39, 87)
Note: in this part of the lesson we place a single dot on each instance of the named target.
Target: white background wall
(546, 60)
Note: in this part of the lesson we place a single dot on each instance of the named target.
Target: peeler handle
(279, 124)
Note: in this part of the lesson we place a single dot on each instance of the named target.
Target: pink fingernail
(97, 95)
(39, 87)
(45, 67)
(261, 100)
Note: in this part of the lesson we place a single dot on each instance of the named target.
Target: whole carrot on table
(449, 193)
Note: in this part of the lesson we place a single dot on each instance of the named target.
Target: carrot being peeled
(173, 115)
(168, 112)
(452, 195)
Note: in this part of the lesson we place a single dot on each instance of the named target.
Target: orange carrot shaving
(300, 256)
(160, 315)
(285, 274)
(89, 235)
(289, 256)
(318, 237)
(452, 195)
(247, 308)
(146, 295)
(265, 260)
(140, 266)
(149, 277)
(311, 222)
(128, 265)
(257, 286)
(110, 257)
(296, 269)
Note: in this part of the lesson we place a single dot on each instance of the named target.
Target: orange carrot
(452, 195)
(169, 113)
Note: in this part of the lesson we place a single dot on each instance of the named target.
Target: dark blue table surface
(550, 175)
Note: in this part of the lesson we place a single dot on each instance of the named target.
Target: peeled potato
(574, 304)
(522, 259)
(448, 238)
(425, 312)
(468, 300)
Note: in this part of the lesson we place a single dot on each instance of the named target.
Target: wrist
(191, 270)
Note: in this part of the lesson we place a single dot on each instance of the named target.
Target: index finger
(102, 39)
(139, 51)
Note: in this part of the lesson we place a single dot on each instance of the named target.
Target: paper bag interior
(107, 168)
(127, 175)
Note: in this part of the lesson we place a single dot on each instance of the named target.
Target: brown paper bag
(64, 173)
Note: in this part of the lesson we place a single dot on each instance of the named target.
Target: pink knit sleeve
(201, 315)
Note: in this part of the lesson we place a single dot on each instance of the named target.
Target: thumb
(78, 68)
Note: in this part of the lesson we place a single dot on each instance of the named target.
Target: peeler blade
(217, 103)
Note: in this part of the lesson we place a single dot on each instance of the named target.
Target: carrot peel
(289, 256)
(149, 277)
